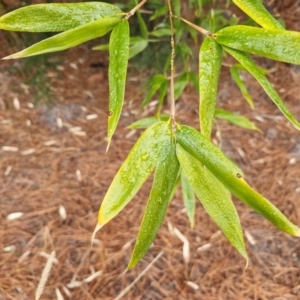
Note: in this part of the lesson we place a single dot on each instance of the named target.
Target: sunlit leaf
(57, 16)
(134, 171)
(282, 45)
(188, 199)
(210, 58)
(163, 183)
(256, 10)
(209, 155)
(117, 71)
(147, 122)
(69, 39)
(235, 75)
(214, 197)
(249, 64)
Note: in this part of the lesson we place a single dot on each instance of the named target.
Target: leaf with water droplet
(210, 60)
(118, 63)
(214, 197)
(54, 17)
(212, 157)
(134, 171)
(281, 45)
(256, 10)
(162, 187)
(249, 64)
(188, 198)
(69, 38)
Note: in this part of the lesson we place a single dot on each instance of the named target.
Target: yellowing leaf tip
(108, 144)
(97, 228)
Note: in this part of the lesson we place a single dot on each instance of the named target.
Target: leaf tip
(108, 144)
(97, 228)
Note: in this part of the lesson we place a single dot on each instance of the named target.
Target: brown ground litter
(52, 163)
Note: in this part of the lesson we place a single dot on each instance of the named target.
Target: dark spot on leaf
(110, 113)
(239, 175)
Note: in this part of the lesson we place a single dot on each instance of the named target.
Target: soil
(53, 170)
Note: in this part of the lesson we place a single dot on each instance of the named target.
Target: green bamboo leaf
(142, 24)
(210, 59)
(134, 171)
(137, 47)
(147, 122)
(161, 32)
(160, 12)
(281, 45)
(154, 85)
(256, 10)
(188, 198)
(249, 64)
(234, 71)
(163, 183)
(214, 197)
(57, 16)
(235, 119)
(162, 94)
(209, 155)
(180, 84)
(117, 71)
(69, 39)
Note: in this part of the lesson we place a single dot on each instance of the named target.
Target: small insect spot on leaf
(239, 175)
(110, 113)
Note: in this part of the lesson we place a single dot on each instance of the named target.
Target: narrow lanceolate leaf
(188, 198)
(282, 45)
(70, 38)
(214, 197)
(256, 10)
(57, 16)
(163, 183)
(210, 58)
(209, 155)
(118, 63)
(251, 67)
(147, 122)
(134, 171)
(235, 75)
(235, 119)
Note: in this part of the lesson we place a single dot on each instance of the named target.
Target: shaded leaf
(214, 197)
(163, 183)
(180, 84)
(117, 71)
(69, 39)
(209, 155)
(57, 16)
(241, 84)
(249, 64)
(235, 119)
(137, 47)
(281, 45)
(188, 199)
(134, 171)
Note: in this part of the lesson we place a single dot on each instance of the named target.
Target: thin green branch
(172, 76)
